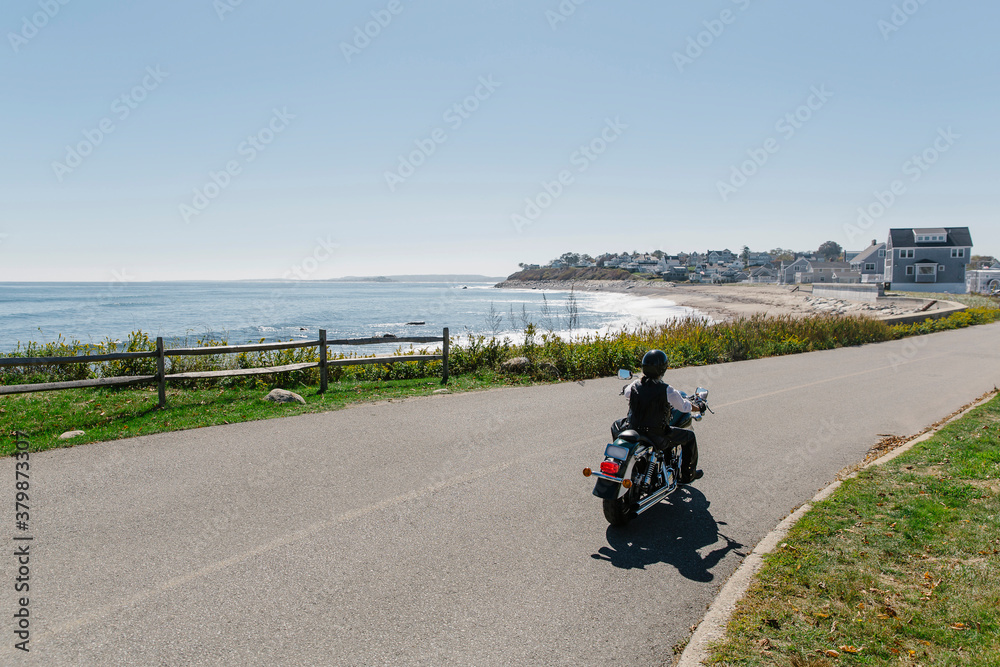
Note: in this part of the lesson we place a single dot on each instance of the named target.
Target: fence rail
(161, 353)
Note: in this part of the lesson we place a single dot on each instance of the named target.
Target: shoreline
(729, 301)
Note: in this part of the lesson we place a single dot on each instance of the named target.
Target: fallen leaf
(830, 653)
(958, 626)
(851, 649)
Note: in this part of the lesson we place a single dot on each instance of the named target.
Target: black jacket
(649, 410)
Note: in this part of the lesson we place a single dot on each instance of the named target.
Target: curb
(713, 625)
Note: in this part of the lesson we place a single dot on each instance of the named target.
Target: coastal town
(909, 259)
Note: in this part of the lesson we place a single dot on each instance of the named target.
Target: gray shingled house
(928, 260)
(871, 263)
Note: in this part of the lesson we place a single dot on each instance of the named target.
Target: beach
(728, 301)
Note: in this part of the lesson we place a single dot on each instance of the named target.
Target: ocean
(241, 312)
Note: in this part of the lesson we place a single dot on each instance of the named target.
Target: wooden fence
(161, 353)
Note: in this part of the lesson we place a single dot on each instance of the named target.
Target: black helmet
(654, 364)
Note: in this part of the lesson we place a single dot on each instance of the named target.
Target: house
(928, 259)
(983, 281)
(759, 259)
(789, 273)
(830, 272)
(763, 274)
(803, 270)
(870, 263)
(720, 256)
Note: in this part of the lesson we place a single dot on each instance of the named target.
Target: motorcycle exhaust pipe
(647, 503)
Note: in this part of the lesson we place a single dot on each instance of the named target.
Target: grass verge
(899, 566)
(110, 414)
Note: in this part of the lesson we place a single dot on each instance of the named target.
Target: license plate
(616, 452)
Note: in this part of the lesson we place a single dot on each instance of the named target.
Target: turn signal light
(627, 483)
(609, 468)
(587, 472)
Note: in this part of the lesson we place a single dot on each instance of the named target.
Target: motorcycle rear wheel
(619, 511)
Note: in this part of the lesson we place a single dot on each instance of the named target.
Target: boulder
(442, 391)
(516, 365)
(548, 370)
(71, 434)
(284, 396)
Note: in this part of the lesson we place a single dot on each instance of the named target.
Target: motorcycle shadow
(670, 533)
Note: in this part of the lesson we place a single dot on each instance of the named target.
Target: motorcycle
(635, 475)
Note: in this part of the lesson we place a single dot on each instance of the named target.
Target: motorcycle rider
(649, 403)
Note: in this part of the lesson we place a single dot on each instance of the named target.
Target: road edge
(713, 626)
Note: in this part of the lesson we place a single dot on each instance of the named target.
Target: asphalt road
(453, 529)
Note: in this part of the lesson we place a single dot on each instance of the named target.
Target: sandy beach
(731, 301)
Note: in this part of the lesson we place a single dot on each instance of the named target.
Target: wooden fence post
(444, 354)
(322, 361)
(161, 375)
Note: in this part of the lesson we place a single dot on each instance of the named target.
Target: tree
(830, 250)
(782, 255)
(570, 258)
(978, 260)
(745, 255)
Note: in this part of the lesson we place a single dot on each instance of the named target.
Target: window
(940, 267)
(906, 253)
(958, 252)
(909, 270)
(881, 252)
(869, 266)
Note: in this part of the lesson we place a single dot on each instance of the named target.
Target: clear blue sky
(673, 131)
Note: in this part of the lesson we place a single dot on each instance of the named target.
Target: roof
(868, 253)
(957, 237)
(830, 265)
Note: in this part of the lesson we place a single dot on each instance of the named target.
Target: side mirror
(624, 374)
(701, 393)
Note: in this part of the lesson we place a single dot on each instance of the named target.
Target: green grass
(900, 564)
(109, 414)
(971, 300)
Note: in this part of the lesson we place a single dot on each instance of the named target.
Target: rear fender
(637, 450)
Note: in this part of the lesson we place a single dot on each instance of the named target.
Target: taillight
(609, 468)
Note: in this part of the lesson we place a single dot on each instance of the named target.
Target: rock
(388, 335)
(71, 434)
(415, 324)
(549, 370)
(516, 365)
(442, 391)
(284, 396)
